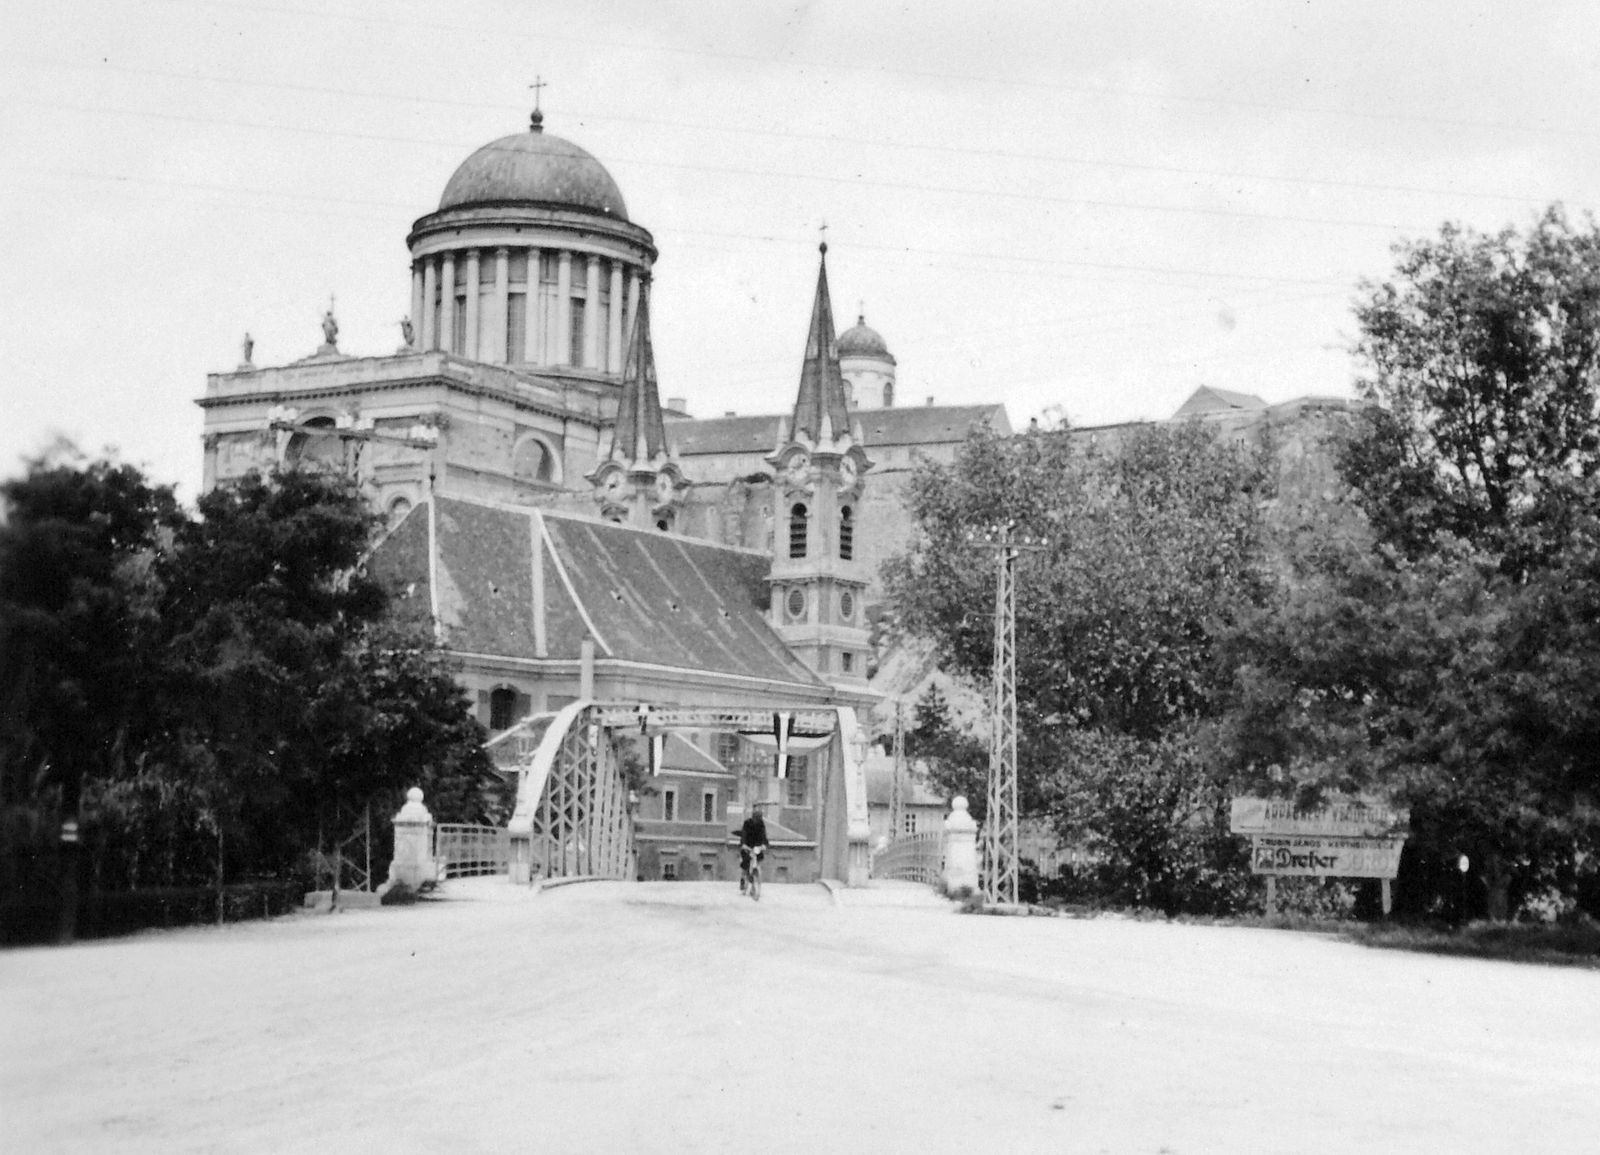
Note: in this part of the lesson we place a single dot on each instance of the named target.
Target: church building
(569, 536)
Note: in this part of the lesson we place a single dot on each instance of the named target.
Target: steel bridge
(574, 810)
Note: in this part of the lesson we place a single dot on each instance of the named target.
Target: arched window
(398, 508)
(664, 524)
(532, 462)
(317, 450)
(797, 530)
(847, 533)
(502, 708)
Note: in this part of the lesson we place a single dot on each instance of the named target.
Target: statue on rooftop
(330, 327)
(248, 347)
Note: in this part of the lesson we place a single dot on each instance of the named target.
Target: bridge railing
(912, 858)
(464, 849)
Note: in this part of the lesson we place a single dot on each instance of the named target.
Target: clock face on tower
(847, 470)
(799, 465)
(614, 483)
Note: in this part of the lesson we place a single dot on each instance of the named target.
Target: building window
(847, 605)
(532, 462)
(516, 328)
(664, 523)
(575, 333)
(847, 533)
(502, 708)
(708, 806)
(797, 531)
(459, 326)
(797, 603)
(909, 823)
(669, 869)
(669, 806)
(398, 508)
(847, 662)
(795, 783)
(728, 749)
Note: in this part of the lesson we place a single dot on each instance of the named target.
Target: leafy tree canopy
(1482, 358)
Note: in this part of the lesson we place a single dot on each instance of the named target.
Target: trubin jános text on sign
(1298, 854)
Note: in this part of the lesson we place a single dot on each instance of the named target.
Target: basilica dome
(860, 341)
(534, 167)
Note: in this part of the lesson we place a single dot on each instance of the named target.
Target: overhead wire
(581, 115)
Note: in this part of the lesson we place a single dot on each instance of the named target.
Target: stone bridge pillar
(413, 862)
(960, 851)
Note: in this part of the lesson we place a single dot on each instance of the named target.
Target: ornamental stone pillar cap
(959, 819)
(414, 810)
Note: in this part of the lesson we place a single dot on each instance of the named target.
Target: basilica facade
(569, 536)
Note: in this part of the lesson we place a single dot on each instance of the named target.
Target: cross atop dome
(536, 121)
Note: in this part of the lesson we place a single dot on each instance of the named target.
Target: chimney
(930, 402)
(678, 405)
(730, 413)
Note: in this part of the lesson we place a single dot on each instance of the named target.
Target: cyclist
(752, 842)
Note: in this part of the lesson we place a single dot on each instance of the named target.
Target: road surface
(678, 1017)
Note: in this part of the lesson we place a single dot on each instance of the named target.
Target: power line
(791, 134)
(730, 170)
(917, 74)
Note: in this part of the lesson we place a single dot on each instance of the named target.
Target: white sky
(1092, 206)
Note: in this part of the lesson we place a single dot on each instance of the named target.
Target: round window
(797, 603)
(847, 605)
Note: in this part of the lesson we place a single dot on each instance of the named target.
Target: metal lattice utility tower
(1000, 825)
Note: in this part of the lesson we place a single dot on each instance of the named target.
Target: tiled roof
(646, 597)
(913, 425)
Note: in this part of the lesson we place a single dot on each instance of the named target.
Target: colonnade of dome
(529, 260)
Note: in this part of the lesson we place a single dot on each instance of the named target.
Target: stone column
(413, 863)
(633, 302)
(447, 304)
(430, 290)
(533, 348)
(614, 322)
(498, 351)
(591, 315)
(562, 337)
(416, 305)
(960, 851)
(474, 273)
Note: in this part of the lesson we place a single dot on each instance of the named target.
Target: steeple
(640, 433)
(818, 474)
(639, 482)
(822, 392)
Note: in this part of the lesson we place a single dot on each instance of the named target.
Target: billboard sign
(1324, 856)
(1341, 818)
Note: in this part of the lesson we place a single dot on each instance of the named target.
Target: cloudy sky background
(1085, 206)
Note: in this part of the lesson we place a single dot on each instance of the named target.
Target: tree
(1156, 542)
(1152, 543)
(1481, 358)
(297, 694)
(78, 620)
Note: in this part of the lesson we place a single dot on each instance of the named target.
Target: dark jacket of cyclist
(753, 833)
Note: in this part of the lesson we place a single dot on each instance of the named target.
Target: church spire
(639, 482)
(822, 393)
(640, 434)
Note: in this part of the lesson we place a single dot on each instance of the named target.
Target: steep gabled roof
(643, 596)
(1209, 399)
(821, 384)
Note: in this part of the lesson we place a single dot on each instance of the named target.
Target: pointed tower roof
(640, 434)
(821, 384)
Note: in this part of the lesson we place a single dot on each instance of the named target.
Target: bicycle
(750, 883)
